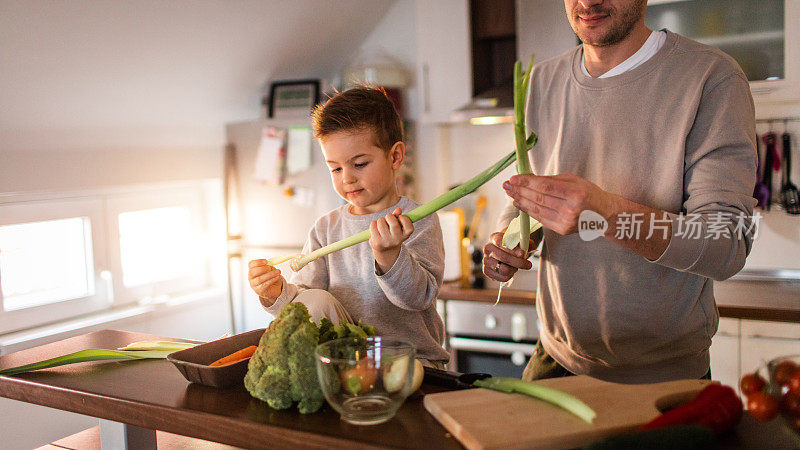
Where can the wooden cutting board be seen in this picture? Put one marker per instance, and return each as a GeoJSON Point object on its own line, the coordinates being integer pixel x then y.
{"type": "Point", "coordinates": [485, 419]}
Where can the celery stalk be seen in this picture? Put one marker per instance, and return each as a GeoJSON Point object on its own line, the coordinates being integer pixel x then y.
{"type": "Point", "coordinates": [416, 213]}
{"type": "Point", "coordinates": [550, 395]}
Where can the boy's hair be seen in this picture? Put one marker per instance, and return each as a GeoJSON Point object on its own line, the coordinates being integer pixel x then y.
{"type": "Point", "coordinates": [357, 109]}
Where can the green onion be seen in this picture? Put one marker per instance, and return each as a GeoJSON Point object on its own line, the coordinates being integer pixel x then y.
{"type": "Point", "coordinates": [416, 213]}
{"type": "Point", "coordinates": [550, 395]}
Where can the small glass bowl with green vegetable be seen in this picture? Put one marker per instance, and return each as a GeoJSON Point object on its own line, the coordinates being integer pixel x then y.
{"type": "Point", "coordinates": [365, 379]}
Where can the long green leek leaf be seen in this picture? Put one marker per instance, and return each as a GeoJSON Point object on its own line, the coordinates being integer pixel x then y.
{"type": "Point", "coordinates": [550, 395]}
{"type": "Point", "coordinates": [520, 229]}
{"type": "Point", "coordinates": [416, 213]}
{"type": "Point", "coordinates": [521, 140]}
{"type": "Point", "coordinates": [90, 354]}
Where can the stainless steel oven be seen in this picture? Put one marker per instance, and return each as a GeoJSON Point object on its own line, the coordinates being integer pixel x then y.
{"type": "Point", "coordinates": [497, 340]}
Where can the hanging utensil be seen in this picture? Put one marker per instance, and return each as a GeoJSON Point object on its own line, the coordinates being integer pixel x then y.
{"type": "Point", "coordinates": [769, 159]}
{"type": "Point", "coordinates": [790, 198]}
{"type": "Point", "coordinates": [761, 191]}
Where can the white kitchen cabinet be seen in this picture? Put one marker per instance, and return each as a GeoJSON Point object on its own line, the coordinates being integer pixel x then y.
{"type": "Point", "coordinates": [725, 353]}
{"type": "Point", "coordinates": [444, 64]}
{"type": "Point", "coordinates": [762, 341]}
{"type": "Point", "coordinates": [739, 28]}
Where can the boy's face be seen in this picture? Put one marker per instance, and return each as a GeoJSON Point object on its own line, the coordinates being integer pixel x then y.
{"type": "Point", "coordinates": [362, 173]}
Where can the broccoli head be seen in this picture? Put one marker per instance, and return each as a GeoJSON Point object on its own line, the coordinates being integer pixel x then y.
{"type": "Point", "coordinates": [282, 371]}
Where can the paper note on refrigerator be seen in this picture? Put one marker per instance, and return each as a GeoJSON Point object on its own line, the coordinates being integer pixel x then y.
{"type": "Point", "coordinates": [298, 149]}
{"type": "Point", "coordinates": [270, 164]}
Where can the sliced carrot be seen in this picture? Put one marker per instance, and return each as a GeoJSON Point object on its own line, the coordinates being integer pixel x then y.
{"type": "Point", "coordinates": [235, 356]}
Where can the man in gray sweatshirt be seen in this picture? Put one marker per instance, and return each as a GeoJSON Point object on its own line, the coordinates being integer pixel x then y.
{"type": "Point", "coordinates": [651, 135]}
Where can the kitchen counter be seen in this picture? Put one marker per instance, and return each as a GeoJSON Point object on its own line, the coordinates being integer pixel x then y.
{"type": "Point", "coordinates": [152, 394]}
{"type": "Point", "coordinates": [777, 301]}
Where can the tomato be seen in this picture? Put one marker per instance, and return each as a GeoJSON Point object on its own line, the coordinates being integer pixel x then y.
{"type": "Point", "coordinates": [360, 378]}
{"type": "Point", "coordinates": [790, 404]}
{"type": "Point", "coordinates": [783, 371]}
{"type": "Point", "coordinates": [762, 406]}
{"type": "Point", "coordinates": [794, 382]}
{"type": "Point", "coordinates": [752, 382]}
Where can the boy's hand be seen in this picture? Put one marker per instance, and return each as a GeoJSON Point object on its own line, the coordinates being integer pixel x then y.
{"type": "Point", "coordinates": [386, 236]}
{"type": "Point", "coordinates": [265, 280]}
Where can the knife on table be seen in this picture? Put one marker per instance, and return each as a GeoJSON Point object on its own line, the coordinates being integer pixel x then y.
{"type": "Point", "coordinates": [453, 380]}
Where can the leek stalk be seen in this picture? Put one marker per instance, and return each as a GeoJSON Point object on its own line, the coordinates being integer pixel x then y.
{"type": "Point", "coordinates": [548, 394]}
{"type": "Point", "coordinates": [90, 354]}
{"type": "Point", "coordinates": [415, 214]}
{"type": "Point", "coordinates": [523, 163]}
{"type": "Point", "coordinates": [519, 230]}
{"type": "Point", "coordinates": [136, 350]}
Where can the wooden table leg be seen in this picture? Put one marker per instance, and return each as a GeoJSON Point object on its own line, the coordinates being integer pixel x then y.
{"type": "Point", "coordinates": [121, 436]}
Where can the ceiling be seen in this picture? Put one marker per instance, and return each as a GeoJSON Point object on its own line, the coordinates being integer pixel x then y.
{"type": "Point", "coordinates": [101, 73]}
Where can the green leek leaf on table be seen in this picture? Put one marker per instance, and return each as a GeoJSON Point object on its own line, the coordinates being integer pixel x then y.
{"type": "Point", "coordinates": [559, 398]}
{"type": "Point", "coordinates": [147, 350]}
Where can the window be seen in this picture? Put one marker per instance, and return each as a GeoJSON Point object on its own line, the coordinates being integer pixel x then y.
{"type": "Point", "coordinates": [29, 249]}
{"type": "Point", "coordinates": [156, 245]}
{"type": "Point", "coordinates": [51, 258]}
{"type": "Point", "coordinates": [65, 257]}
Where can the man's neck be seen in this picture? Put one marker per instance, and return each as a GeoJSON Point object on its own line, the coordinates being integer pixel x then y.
{"type": "Point", "coordinates": [599, 60]}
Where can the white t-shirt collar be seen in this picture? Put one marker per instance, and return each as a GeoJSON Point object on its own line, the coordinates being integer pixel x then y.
{"type": "Point", "coordinates": [650, 47]}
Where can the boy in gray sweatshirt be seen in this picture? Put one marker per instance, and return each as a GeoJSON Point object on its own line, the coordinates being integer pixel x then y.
{"type": "Point", "coordinates": [391, 283]}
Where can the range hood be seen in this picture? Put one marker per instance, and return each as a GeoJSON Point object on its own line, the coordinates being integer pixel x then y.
{"type": "Point", "coordinates": [490, 107]}
{"type": "Point", "coordinates": [493, 45]}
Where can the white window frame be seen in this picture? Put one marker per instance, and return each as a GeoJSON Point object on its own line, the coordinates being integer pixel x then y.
{"type": "Point", "coordinates": [26, 211]}
{"type": "Point", "coordinates": [163, 197]}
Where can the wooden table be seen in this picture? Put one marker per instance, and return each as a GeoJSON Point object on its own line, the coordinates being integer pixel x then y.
{"type": "Point", "coordinates": [137, 397]}
{"type": "Point", "coordinates": [151, 395]}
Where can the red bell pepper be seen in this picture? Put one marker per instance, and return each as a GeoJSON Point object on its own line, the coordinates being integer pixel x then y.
{"type": "Point", "coordinates": [716, 406]}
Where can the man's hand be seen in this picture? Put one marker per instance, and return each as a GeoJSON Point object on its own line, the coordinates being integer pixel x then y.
{"type": "Point", "coordinates": [500, 263]}
{"type": "Point", "coordinates": [558, 200]}
{"type": "Point", "coordinates": [386, 236]}
{"type": "Point", "coordinates": [265, 280]}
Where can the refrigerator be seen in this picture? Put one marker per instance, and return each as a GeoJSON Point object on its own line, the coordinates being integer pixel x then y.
{"type": "Point", "coordinates": [270, 214]}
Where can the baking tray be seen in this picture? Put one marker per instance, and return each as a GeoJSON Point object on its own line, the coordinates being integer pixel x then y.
{"type": "Point", "coordinates": [194, 362]}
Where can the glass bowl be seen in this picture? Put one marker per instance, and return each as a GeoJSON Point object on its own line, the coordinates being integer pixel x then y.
{"type": "Point", "coordinates": [365, 379]}
{"type": "Point", "coordinates": [784, 386]}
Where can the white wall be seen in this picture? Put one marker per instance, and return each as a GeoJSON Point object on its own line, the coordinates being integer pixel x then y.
{"type": "Point", "coordinates": [394, 36]}
{"type": "Point", "coordinates": [100, 75]}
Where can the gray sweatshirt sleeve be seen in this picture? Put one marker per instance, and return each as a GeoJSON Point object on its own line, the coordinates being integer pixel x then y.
{"type": "Point", "coordinates": [714, 236]}
{"type": "Point", "coordinates": [506, 215]}
{"type": "Point", "coordinates": [419, 268]}
{"type": "Point", "coordinates": [313, 276]}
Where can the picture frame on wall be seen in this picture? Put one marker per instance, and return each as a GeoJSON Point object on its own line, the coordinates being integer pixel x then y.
{"type": "Point", "coordinates": [292, 98]}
